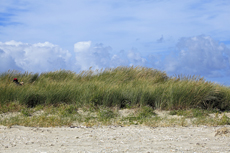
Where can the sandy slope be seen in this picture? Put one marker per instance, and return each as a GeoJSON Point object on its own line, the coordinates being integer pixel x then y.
{"type": "Point", "coordinates": [112, 139]}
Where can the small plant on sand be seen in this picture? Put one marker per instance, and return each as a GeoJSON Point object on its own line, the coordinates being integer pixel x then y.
{"type": "Point", "coordinates": [67, 110]}
{"type": "Point", "coordinates": [11, 107]}
{"type": "Point", "coordinates": [224, 120]}
{"type": "Point", "coordinates": [190, 113]}
{"type": "Point", "coordinates": [26, 112]}
{"type": "Point", "coordinates": [106, 115]}
{"type": "Point", "coordinates": [173, 112]}
{"type": "Point", "coordinates": [140, 116]}
{"type": "Point", "coordinates": [145, 112]}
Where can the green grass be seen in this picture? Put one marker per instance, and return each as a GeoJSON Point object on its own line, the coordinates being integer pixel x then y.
{"type": "Point", "coordinates": [122, 87]}
{"type": "Point", "coordinates": [69, 115]}
{"type": "Point", "coordinates": [190, 113]}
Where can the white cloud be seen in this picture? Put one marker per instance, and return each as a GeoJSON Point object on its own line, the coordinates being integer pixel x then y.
{"type": "Point", "coordinates": [82, 46]}
{"type": "Point", "coordinates": [96, 57]}
{"type": "Point", "coordinates": [7, 62]}
{"type": "Point", "coordinates": [200, 55]}
{"type": "Point", "coordinates": [38, 57]}
{"type": "Point", "coordinates": [41, 57]}
{"type": "Point", "coordinates": [100, 56]}
{"type": "Point", "coordinates": [136, 59]}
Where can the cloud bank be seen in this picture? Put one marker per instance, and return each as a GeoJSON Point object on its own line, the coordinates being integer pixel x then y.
{"type": "Point", "coordinates": [100, 56]}
{"type": "Point", "coordinates": [198, 55]}
{"type": "Point", "coordinates": [38, 57]}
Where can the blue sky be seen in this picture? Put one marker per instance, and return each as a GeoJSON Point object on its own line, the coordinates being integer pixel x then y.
{"type": "Point", "coordinates": [189, 37]}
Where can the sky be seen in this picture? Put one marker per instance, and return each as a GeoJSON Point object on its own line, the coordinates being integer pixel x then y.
{"type": "Point", "coordinates": [179, 37]}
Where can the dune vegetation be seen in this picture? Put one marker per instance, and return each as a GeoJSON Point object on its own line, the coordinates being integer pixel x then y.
{"type": "Point", "coordinates": [65, 92]}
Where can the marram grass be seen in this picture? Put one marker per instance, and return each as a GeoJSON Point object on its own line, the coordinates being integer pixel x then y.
{"type": "Point", "coordinates": [59, 95]}
{"type": "Point", "coordinates": [122, 87]}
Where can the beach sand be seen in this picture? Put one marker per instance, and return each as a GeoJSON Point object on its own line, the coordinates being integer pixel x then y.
{"type": "Point", "coordinates": [114, 139]}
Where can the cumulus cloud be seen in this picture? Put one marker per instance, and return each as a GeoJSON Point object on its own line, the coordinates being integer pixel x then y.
{"type": "Point", "coordinates": [38, 57]}
{"type": "Point", "coordinates": [100, 56]}
{"type": "Point", "coordinates": [7, 62]}
{"type": "Point", "coordinates": [82, 46]}
{"type": "Point", "coordinates": [136, 59]}
{"type": "Point", "coordinates": [42, 57]}
{"type": "Point", "coordinates": [88, 56]}
{"type": "Point", "coordinates": [200, 55]}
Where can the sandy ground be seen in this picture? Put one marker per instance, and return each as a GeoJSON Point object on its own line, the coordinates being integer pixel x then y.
{"type": "Point", "coordinates": [113, 139]}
